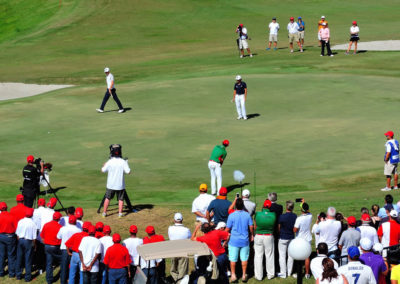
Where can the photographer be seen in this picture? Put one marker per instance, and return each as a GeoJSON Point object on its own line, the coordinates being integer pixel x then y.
{"type": "Point", "coordinates": [116, 167]}
{"type": "Point", "coordinates": [242, 40]}
{"type": "Point", "coordinates": [31, 174]}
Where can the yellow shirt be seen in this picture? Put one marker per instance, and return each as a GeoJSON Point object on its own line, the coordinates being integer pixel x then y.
{"type": "Point", "coordinates": [320, 24]}
{"type": "Point", "coordinates": [395, 273]}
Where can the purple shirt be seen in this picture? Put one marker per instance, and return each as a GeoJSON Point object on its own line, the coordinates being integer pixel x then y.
{"type": "Point", "coordinates": [374, 261]}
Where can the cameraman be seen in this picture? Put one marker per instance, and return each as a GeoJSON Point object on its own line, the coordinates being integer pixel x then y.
{"type": "Point", "coordinates": [31, 174]}
{"type": "Point", "coordinates": [116, 167]}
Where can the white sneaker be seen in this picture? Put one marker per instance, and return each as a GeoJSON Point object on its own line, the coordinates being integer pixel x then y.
{"type": "Point", "coordinates": [386, 189]}
{"type": "Point", "coordinates": [269, 277]}
{"type": "Point", "coordinates": [104, 215]}
{"type": "Point", "coordinates": [121, 111]}
{"type": "Point", "coordinates": [395, 187]}
{"type": "Point", "coordinates": [241, 56]}
{"type": "Point", "coordinates": [282, 275]}
{"type": "Point", "coordinates": [99, 110]}
{"type": "Point", "coordinates": [251, 55]}
{"type": "Point", "coordinates": [331, 55]}
{"type": "Point", "coordinates": [239, 117]}
{"type": "Point", "coordinates": [301, 50]}
{"type": "Point", "coordinates": [307, 276]}
{"type": "Point", "coordinates": [120, 215]}
{"type": "Point", "coordinates": [291, 51]}
{"type": "Point", "coordinates": [245, 118]}
{"type": "Point", "coordinates": [294, 275]}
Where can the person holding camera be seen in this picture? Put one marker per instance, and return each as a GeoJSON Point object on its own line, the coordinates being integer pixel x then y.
{"type": "Point", "coordinates": [115, 167]}
{"type": "Point", "coordinates": [31, 174]}
{"type": "Point", "coordinates": [242, 40]}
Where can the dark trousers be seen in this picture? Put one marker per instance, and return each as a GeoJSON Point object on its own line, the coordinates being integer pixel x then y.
{"type": "Point", "coordinates": [8, 247]}
{"type": "Point", "coordinates": [24, 252]}
{"type": "Point", "coordinates": [90, 277]}
{"type": "Point", "coordinates": [151, 275]}
{"type": "Point", "coordinates": [328, 47]}
{"type": "Point", "coordinates": [223, 263]}
{"type": "Point", "coordinates": [65, 259]}
{"type": "Point", "coordinates": [53, 255]}
{"type": "Point", "coordinates": [115, 97]}
{"type": "Point", "coordinates": [39, 257]}
{"type": "Point", "coordinates": [119, 276]}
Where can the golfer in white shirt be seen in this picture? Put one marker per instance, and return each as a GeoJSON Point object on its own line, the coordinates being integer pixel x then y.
{"type": "Point", "coordinates": [111, 91]}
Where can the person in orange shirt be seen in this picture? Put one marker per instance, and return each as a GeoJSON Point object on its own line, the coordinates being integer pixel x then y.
{"type": "Point", "coordinates": [320, 27]}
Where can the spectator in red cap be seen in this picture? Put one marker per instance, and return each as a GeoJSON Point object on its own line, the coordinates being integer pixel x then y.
{"type": "Point", "coordinates": [350, 237]}
{"type": "Point", "coordinates": [106, 242]}
{"type": "Point", "coordinates": [89, 254]}
{"type": "Point", "coordinates": [31, 174]}
{"type": "Point", "coordinates": [26, 234]}
{"type": "Point", "coordinates": [117, 260]}
{"type": "Point", "coordinates": [219, 207]}
{"type": "Point", "coordinates": [72, 245]}
{"type": "Point", "coordinates": [217, 158]}
{"type": "Point", "coordinates": [354, 38]}
{"type": "Point", "coordinates": [20, 209]}
{"type": "Point", "coordinates": [64, 234]}
{"type": "Point", "coordinates": [391, 161]}
{"type": "Point", "coordinates": [293, 29]}
{"type": "Point", "coordinates": [70, 212]}
{"type": "Point", "coordinates": [51, 245]}
{"type": "Point", "coordinates": [79, 217]}
{"type": "Point", "coordinates": [367, 231]}
{"type": "Point", "coordinates": [153, 238]}
{"type": "Point", "coordinates": [99, 230]}
{"type": "Point", "coordinates": [8, 240]}
{"type": "Point", "coordinates": [48, 212]}
{"type": "Point", "coordinates": [131, 244]}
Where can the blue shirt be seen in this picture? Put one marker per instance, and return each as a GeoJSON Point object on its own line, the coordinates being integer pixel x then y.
{"type": "Point", "coordinates": [220, 208]}
{"type": "Point", "coordinates": [239, 222]}
{"type": "Point", "coordinates": [382, 211]}
{"type": "Point", "coordinates": [301, 28]}
{"type": "Point", "coordinates": [287, 221]}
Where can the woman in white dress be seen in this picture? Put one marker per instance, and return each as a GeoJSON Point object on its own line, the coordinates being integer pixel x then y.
{"type": "Point", "coordinates": [330, 275]}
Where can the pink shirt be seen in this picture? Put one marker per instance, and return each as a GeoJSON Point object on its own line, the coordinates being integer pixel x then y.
{"type": "Point", "coordinates": [324, 33]}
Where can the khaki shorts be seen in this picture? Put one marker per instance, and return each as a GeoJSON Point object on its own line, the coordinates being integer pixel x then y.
{"type": "Point", "coordinates": [273, 38]}
{"type": "Point", "coordinates": [293, 37]}
{"type": "Point", "coordinates": [243, 44]}
{"type": "Point", "coordinates": [390, 169]}
{"type": "Point", "coordinates": [301, 35]}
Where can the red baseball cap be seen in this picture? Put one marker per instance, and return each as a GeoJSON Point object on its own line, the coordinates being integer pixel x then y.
{"type": "Point", "coordinates": [72, 220]}
{"type": "Point", "coordinates": [86, 225]}
{"type": "Point", "coordinates": [225, 142]}
{"type": "Point", "coordinates": [291, 18]}
{"type": "Point", "coordinates": [223, 191]}
{"type": "Point", "coordinates": [354, 23]}
{"type": "Point", "coordinates": [389, 133]}
{"type": "Point", "coordinates": [52, 202]}
{"type": "Point", "coordinates": [30, 159]}
{"type": "Point", "coordinates": [116, 238]}
{"type": "Point", "coordinates": [79, 212]}
{"type": "Point", "coordinates": [365, 218]}
{"type": "Point", "coordinates": [150, 230]}
{"type": "Point", "coordinates": [99, 226]}
{"type": "Point", "coordinates": [29, 212]}
{"type": "Point", "coordinates": [351, 221]}
{"type": "Point", "coordinates": [57, 216]}
{"type": "Point", "coordinates": [20, 198]}
{"type": "Point", "coordinates": [133, 229]}
{"type": "Point", "coordinates": [106, 229]}
{"type": "Point", "coordinates": [240, 25]}
{"type": "Point", "coordinates": [41, 202]}
{"type": "Point", "coordinates": [267, 203]}
{"type": "Point", "coordinates": [3, 206]}
{"type": "Point", "coordinates": [92, 229]}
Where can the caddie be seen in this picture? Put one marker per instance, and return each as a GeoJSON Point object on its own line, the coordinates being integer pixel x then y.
{"type": "Point", "coordinates": [391, 161]}
{"type": "Point", "coordinates": [217, 158]}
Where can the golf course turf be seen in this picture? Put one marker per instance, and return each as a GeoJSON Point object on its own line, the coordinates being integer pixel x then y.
{"type": "Point", "coordinates": [316, 127]}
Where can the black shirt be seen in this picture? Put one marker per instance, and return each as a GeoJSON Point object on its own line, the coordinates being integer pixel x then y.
{"type": "Point", "coordinates": [31, 177]}
{"type": "Point", "coordinates": [239, 88]}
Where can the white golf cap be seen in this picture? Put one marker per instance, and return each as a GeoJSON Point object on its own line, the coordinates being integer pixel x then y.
{"type": "Point", "coordinates": [366, 244]}
{"type": "Point", "coordinates": [220, 225]}
{"type": "Point", "coordinates": [322, 17]}
{"type": "Point", "coordinates": [238, 77]}
{"type": "Point", "coordinates": [378, 247]}
{"type": "Point", "coordinates": [394, 213]}
{"type": "Point", "coordinates": [178, 217]}
{"type": "Point", "coordinates": [246, 192]}
{"type": "Point", "coordinates": [106, 70]}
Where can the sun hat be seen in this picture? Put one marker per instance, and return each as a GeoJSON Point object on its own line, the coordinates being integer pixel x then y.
{"type": "Point", "coordinates": [366, 244]}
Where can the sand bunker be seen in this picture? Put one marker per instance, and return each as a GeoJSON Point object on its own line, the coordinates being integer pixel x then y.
{"type": "Point", "coordinates": [10, 91]}
{"type": "Point", "coordinates": [383, 45]}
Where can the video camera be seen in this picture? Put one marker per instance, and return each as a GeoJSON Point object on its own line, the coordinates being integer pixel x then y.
{"type": "Point", "coordinates": [46, 166]}
{"type": "Point", "coordinates": [115, 150]}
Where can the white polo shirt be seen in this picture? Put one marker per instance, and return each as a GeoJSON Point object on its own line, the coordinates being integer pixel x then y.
{"type": "Point", "coordinates": [369, 232]}
{"type": "Point", "coordinates": [106, 242]}
{"type": "Point", "coordinates": [46, 216]}
{"type": "Point", "coordinates": [200, 204]}
{"type": "Point", "coordinates": [329, 231]}
{"type": "Point", "coordinates": [131, 244]}
{"type": "Point", "coordinates": [355, 29]}
{"type": "Point", "coordinates": [109, 80]}
{"type": "Point", "coordinates": [64, 221]}
{"type": "Point", "coordinates": [293, 28]}
{"type": "Point", "coordinates": [303, 223]}
{"type": "Point", "coordinates": [65, 233]}
{"type": "Point", "coordinates": [273, 28]}
{"type": "Point", "coordinates": [116, 167]}
{"type": "Point", "coordinates": [316, 265]}
{"type": "Point", "coordinates": [90, 246]}
{"type": "Point", "coordinates": [26, 229]}
{"type": "Point", "coordinates": [178, 232]}
{"type": "Point", "coordinates": [357, 273]}
{"type": "Point", "coordinates": [37, 216]}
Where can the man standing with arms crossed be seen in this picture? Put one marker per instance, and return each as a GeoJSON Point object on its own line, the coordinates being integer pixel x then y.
{"type": "Point", "coordinates": [240, 96]}
{"type": "Point", "coordinates": [293, 29]}
{"type": "Point", "coordinates": [391, 161]}
{"type": "Point", "coordinates": [302, 26]}
{"type": "Point", "coordinates": [111, 91]}
{"type": "Point", "coordinates": [217, 158]}
{"type": "Point", "coordinates": [273, 34]}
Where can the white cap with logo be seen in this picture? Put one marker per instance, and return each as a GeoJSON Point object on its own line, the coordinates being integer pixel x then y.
{"type": "Point", "coordinates": [106, 70]}
{"type": "Point", "coordinates": [178, 217]}
{"type": "Point", "coordinates": [246, 192]}
{"type": "Point", "coordinates": [238, 77]}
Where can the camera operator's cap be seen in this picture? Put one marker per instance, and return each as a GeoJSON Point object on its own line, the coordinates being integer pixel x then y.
{"type": "Point", "coordinates": [3, 206]}
{"type": "Point", "coordinates": [365, 218]}
{"type": "Point", "coordinates": [30, 159]}
{"type": "Point", "coordinates": [246, 192]}
{"type": "Point", "coordinates": [351, 220]}
{"type": "Point", "coordinates": [79, 212]}
{"type": "Point", "coordinates": [225, 142]}
{"type": "Point", "coordinates": [133, 229]}
{"type": "Point", "coordinates": [378, 247]}
{"type": "Point", "coordinates": [291, 18]}
{"type": "Point", "coordinates": [116, 238]}
{"type": "Point", "coordinates": [299, 18]}
{"type": "Point", "coordinates": [52, 202]}
{"type": "Point", "coordinates": [389, 133]}
{"type": "Point", "coordinates": [106, 229]}
{"type": "Point", "coordinates": [241, 25]}
{"type": "Point", "coordinates": [150, 230]}
{"type": "Point", "coordinates": [355, 23]}
{"type": "Point", "coordinates": [203, 187]}
{"type": "Point", "coordinates": [238, 77]}
{"type": "Point", "coordinates": [41, 202]}
{"type": "Point", "coordinates": [267, 203]}
{"type": "Point", "coordinates": [29, 212]}
{"type": "Point", "coordinates": [223, 191]}
{"type": "Point", "coordinates": [393, 213]}
{"type": "Point", "coordinates": [19, 198]}
{"type": "Point", "coordinates": [178, 217]}
{"type": "Point", "coordinates": [72, 220]}
{"type": "Point", "coordinates": [106, 70]}
{"type": "Point", "coordinates": [220, 225]}
{"type": "Point", "coordinates": [92, 230]}
{"type": "Point", "coordinates": [86, 225]}
{"type": "Point", "coordinates": [99, 226]}
{"type": "Point", "coordinates": [274, 18]}
{"type": "Point", "coordinates": [366, 244]}
{"type": "Point", "coordinates": [57, 216]}
{"type": "Point", "coordinates": [353, 251]}
{"type": "Point", "coordinates": [322, 17]}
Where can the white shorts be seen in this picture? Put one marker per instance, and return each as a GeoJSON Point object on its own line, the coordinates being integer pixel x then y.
{"type": "Point", "coordinates": [390, 169]}
{"type": "Point", "coordinates": [243, 44]}
{"type": "Point", "coordinates": [273, 38]}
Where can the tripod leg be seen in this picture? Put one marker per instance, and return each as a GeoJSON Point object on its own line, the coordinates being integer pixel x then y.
{"type": "Point", "coordinates": [128, 202]}
{"type": "Point", "coordinates": [101, 204]}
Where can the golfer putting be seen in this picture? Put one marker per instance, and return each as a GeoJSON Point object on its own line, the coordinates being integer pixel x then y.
{"type": "Point", "coordinates": [240, 96]}
{"type": "Point", "coordinates": [111, 91]}
{"type": "Point", "coordinates": [217, 158]}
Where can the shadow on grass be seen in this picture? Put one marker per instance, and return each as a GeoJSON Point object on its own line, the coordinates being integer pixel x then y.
{"type": "Point", "coordinates": [234, 186]}
{"type": "Point", "coordinates": [253, 115]}
{"type": "Point", "coordinates": [113, 209]}
{"type": "Point", "coordinates": [53, 190]}
{"type": "Point", "coordinates": [116, 110]}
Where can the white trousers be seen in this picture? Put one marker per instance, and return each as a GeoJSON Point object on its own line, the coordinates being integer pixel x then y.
{"type": "Point", "coordinates": [286, 268]}
{"type": "Point", "coordinates": [240, 107]}
{"type": "Point", "coordinates": [216, 175]}
{"type": "Point", "coordinates": [264, 245]}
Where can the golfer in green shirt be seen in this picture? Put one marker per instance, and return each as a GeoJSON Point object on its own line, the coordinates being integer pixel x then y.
{"type": "Point", "coordinates": [217, 158]}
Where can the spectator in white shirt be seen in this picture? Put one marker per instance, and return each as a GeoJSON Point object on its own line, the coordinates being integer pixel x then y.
{"type": "Point", "coordinates": [79, 217]}
{"type": "Point", "coordinates": [47, 214]}
{"type": "Point", "coordinates": [293, 29]}
{"type": "Point", "coordinates": [354, 38]}
{"type": "Point", "coordinates": [368, 231]}
{"type": "Point", "coordinates": [320, 218]}
{"type": "Point", "coordinates": [131, 244]}
{"type": "Point", "coordinates": [179, 265]}
{"type": "Point", "coordinates": [39, 255]}
{"type": "Point", "coordinates": [201, 203]}
{"type": "Point", "coordinates": [316, 262]}
{"type": "Point", "coordinates": [89, 254]}
{"type": "Point", "coordinates": [249, 206]}
{"type": "Point", "coordinates": [329, 231]}
{"type": "Point", "coordinates": [302, 228]}
{"type": "Point", "coordinates": [106, 242]}
{"type": "Point", "coordinates": [26, 234]}
{"type": "Point", "coordinates": [273, 34]}
{"type": "Point", "coordinates": [115, 167]}
{"type": "Point", "coordinates": [37, 213]}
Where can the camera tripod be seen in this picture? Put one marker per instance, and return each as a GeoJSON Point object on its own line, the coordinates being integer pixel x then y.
{"type": "Point", "coordinates": [126, 199]}
{"type": "Point", "coordinates": [53, 191]}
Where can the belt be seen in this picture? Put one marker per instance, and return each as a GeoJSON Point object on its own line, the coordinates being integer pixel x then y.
{"type": "Point", "coordinates": [8, 235]}
{"type": "Point", "coordinates": [264, 234]}
{"type": "Point", "coordinates": [240, 94]}
{"type": "Point", "coordinates": [52, 245]}
{"type": "Point", "coordinates": [214, 161]}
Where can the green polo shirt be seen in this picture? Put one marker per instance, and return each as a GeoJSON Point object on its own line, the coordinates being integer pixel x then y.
{"type": "Point", "coordinates": [217, 152]}
{"type": "Point", "coordinates": [265, 221]}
